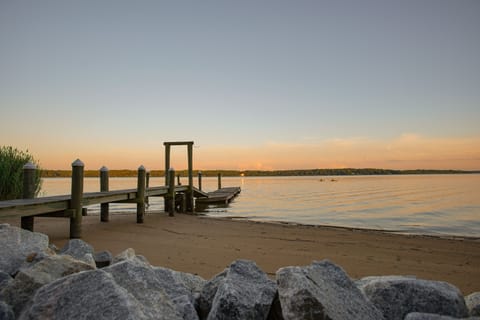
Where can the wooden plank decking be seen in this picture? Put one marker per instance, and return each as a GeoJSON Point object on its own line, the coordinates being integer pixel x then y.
{"type": "Point", "coordinates": [38, 206]}
{"type": "Point", "coordinates": [223, 195]}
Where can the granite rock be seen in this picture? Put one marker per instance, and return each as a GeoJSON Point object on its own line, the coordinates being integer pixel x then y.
{"type": "Point", "coordinates": [17, 245]}
{"type": "Point", "coordinates": [140, 281]}
{"type": "Point", "coordinates": [245, 292]}
{"type": "Point", "coordinates": [182, 288]}
{"type": "Point", "coordinates": [21, 289]}
{"type": "Point", "coordinates": [396, 296]}
{"type": "Point", "coordinates": [103, 258]}
{"type": "Point", "coordinates": [80, 250]}
{"type": "Point", "coordinates": [204, 302]}
{"type": "Point", "coordinates": [321, 290]}
{"type": "Point", "coordinates": [85, 295]}
{"type": "Point", "coordinates": [432, 316]}
{"type": "Point", "coordinates": [129, 254]}
{"type": "Point", "coordinates": [473, 303]}
{"type": "Point", "coordinates": [5, 278]}
{"type": "Point", "coordinates": [6, 312]}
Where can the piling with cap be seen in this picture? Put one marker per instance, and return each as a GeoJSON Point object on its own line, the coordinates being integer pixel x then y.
{"type": "Point", "coordinates": [76, 199]}
{"type": "Point", "coordinates": [29, 172]}
{"type": "Point", "coordinates": [141, 191]}
{"type": "Point", "coordinates": [200, 180]}
{"type": "Point", "coordinates": [104, 187]}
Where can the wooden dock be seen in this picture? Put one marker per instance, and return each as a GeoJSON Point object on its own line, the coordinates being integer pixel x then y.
{"type": "Point", "coordinates": [178, 198]}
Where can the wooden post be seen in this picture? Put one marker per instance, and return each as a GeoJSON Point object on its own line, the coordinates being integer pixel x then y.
{"type": "Point", "coordinates": [167, 167]}
{"type": "Point", "coordinates": [178, 180]}
{"type": "Point", "coordinates": [190, 204]}
{"type": "Point", "coordinates": [167, 162]}
{"type": "Point", "coordinates": [76, 200]}
{"type": "Point", "coordinates": [141, 185]}
{"type": "Point", "coordinates": [29, 171]}
{"type": "Point", "coordinates": [219, 181]}
{"type": "Point", "coordinates": [147, 201]}
{"type": "Point", "coordinates": [200, 180]}
{"type": "Point", "coordinates": [183, 202]}
{"type": "Point", "coordinates": [171, 192]}
{"type": "Point", "coordinates": [104, 186]}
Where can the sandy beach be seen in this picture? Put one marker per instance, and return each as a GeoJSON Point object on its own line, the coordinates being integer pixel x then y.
{"type": "Point", "coordinates": [205, 246]}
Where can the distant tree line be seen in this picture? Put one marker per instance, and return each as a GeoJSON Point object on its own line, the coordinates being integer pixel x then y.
{"type": "Point", "coordinates": [261, 173]}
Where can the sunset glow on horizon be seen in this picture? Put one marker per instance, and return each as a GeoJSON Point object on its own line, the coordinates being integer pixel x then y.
{"type": "Point", "coordinates": [268, 85]}
{"type": "Point", "coordinates": [405, 152]}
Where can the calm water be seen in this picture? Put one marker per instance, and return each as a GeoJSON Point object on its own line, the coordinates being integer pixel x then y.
{"type": "Point", "coordinates": [426, 204]}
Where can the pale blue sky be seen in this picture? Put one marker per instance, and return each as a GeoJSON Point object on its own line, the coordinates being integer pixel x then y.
{"type": "Point", "coordinates": [126, 75]}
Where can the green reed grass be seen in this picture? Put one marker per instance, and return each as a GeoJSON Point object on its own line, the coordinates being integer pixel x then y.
{"type": "Point", "coordinates": [12, 161]}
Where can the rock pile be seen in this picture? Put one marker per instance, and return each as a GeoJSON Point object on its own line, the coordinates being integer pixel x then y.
{"type": "Point", "coordinates": [38, 281]}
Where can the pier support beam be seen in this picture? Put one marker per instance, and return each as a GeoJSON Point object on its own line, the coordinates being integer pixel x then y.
{"type": "Point", "coordinates": [29, 172]}
{"type": "Point", "coordinates": [200, 180]}
{"type": "Point", "coordinates": [190, 202]}
{"type": "Point", "coordinates": [171, 192]}
{"type": "Point", "coordinates": [219, 181]}
{"type": "Point", "coordinates": [76, 200]}
{"type": "Point", "coordinates": [147, 183]}
{"type": "Point", "coordinates": [141, 188]}
{"type": "Point", "coordinates": [104, 186]}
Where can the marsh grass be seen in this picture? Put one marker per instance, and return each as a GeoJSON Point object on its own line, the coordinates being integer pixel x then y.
{"type": "Point", "coordinates": [12, 161]}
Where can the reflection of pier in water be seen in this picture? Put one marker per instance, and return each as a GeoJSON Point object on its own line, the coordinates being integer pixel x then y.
{"type": "Point", "coordinates": [180, 198]}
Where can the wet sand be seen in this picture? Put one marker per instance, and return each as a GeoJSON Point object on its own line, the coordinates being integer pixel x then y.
{"type": "Point", "coordinates": [205, 246]}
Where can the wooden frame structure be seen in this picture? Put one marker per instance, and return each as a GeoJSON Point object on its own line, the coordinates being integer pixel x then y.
{"type": "Point", "coordinates": [189, 193]}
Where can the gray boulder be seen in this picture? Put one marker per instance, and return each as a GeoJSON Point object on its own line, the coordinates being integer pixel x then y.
{"type": "Point", "coordinates": [204, 302]}
{"type": "Point", "coordinates": [5, 278]}
{"type": "Point", "coordinates": [53, 247]}
{"type": "Point", "coordinates": [103, 259]}
{"type": "Point", "coordinates": [473, 303]}
{"type": "Point", "coordinates": [86, 295]}
{"type": "Point", "coordinates": [397, 296]}
{"type": "Point", "coordinates": [80, 250]}
{"type": "Point", "coordinates": [193, 283]}
{"type": "Point", "coordinates": [321, 290]}
{"type": "Point", "coordinates": [126, 254]}
{"type": "Point", "coordinates": [182, 288]}
{"type": "Point", "coordinates": [244, 293]}
{"type": "Point", "coordinates": [89, 259]}
{"type": "Point", "coordinates": [129, 254]}
{"type": "Point", "coordinates": [19, 292]}
{"type": "Point", "coordinates": [140, 281]}
{"type": "Point", "coordinates": [6, 312]}
{"type": "Point", "coordinates": [17, 244]}
{"type": "Point", "coordinates": [185, 308]}
{"type": "Point", "coordinates": [432, 316]}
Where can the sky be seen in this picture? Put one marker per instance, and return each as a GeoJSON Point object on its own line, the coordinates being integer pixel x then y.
{"type": "Point", "coordinates": [255, 84]}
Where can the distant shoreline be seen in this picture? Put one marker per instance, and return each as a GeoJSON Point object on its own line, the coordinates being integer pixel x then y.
{"type": "Point", "coordinates": [48, 173]}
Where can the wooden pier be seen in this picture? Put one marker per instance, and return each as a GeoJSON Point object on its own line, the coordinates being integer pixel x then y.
{"type": "Point", "coordinates": [178, 198]}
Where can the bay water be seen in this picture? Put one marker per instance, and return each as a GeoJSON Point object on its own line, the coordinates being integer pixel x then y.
{"type": "Point", "coordinates": [412, 204]}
